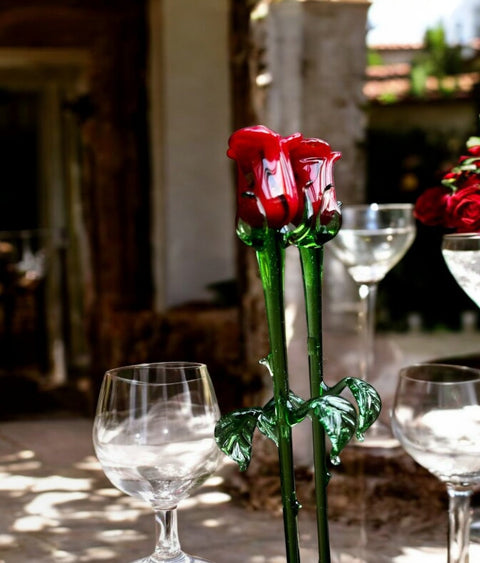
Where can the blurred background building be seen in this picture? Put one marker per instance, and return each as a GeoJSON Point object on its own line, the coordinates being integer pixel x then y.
{"type": "Point", "coordinates": [117, 210]}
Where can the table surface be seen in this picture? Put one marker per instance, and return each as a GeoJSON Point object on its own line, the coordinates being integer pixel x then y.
{"type": "Point", "coordinates": [57, 506]}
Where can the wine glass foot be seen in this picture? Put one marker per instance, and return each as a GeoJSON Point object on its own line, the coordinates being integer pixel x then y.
{"type": "Point", "coordinates": [179, 558]}
{"type": "Point", "coordinates": [379, 435]}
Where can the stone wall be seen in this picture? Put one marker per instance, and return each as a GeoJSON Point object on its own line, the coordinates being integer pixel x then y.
{"type": "Point", "coordinates": [112, 154]}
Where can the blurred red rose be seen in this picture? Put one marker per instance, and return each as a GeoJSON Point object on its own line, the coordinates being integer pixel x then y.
{"type": "Point", "coordinates": [463, 209]}
{"type": "Point", "coordinates": [430, 207]}
{"type": "Point", "coordinates": [474, 150]}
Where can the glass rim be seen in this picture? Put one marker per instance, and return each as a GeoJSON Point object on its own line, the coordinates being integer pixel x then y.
{"type": "Point", "coordinates": [458, 236]}
{"type": "Point", "coordinates": [379, 206]}
{"type": "Point", "coordinates": [116, 373]}
{"type": "Point", "coordinates": [466, 374]}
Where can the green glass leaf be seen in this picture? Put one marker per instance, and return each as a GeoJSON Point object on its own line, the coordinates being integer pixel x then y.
{"type": "Point", "coordinates": [337, 416]}
{"type": "Point", "coordinates": [294, 408]}
{"type": "Point", "coordinates": [267, 422]}
{"type": "Point", "coordinates": [368, 401]}
{"type": "Point", "coordinates": [234, 434]}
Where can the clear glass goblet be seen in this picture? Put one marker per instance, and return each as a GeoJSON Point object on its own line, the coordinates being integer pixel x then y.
{"type": "Point", "coordinates": [154, 437]}
{"type": "Point", "coordinates": [461, 253]}
{"type": "Point", "coordinates": [372, 240]}
{"type": "Point", "coordinates": [436, 418]}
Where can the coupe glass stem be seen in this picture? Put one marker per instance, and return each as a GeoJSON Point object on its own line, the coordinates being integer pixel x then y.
{"type": "Point", "coordinates": [459, 516]}
{"type": "Point", "coordinates": [168, 544]}
{"type": "Point", "coordinates": [366, 318]}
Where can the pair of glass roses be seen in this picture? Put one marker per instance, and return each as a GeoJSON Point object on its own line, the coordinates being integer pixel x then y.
{"type": "Point", "coordinates": [286, 195]}
{"type": "Point", "coordinates": [286, 184]}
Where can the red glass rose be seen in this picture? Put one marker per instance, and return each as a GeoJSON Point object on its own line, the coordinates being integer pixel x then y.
{"type": "Point", "coordinates": [266, 189]}
{"type": "Point", "coordinates": [312, 162]}
{"type": "Point", "coordinates": [463, 209]}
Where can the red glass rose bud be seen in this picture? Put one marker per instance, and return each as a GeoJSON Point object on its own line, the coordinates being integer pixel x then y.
{"type": "Point", "coordinates": [267, 196]}
{"type": "Point", "coordinates": [319, 213]}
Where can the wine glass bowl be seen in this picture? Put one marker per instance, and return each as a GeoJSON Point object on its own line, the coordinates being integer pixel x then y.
{"type": "Point", "coordinates": [461, 252]}
{"type": "Point", "coordinates": [373, 239]}
{"type": "Point", "coordinates": [436, 419]}
{"type": "Point", "coordinates": [153, 435]}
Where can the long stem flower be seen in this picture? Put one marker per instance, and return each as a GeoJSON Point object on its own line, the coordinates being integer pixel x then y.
{"type": "Point", "coordinates": [286, 196]}
{"type": "Point", "coordinates": [312, 266]}
{"type": "Point", "coordinates": [271, 260]}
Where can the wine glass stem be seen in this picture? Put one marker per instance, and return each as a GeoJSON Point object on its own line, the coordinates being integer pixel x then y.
{"type": "Point", "coordinates": [168, 544]}
{"type": "Point", "coordinates": [459, 517]}
{"type": "Point", "coordinates": [366, 318]}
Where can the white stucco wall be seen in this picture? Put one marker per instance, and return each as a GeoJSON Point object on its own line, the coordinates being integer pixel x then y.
{"type": "Point", "coordinates": [190, 121]}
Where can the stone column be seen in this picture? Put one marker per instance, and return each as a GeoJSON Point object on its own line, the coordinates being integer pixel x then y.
{"type": "Point", "coordinates": [316, 59]}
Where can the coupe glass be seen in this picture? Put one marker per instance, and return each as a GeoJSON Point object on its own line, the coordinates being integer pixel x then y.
{"type": "Point", "coordinates": [436, 418]}
{"type": "Point", "coordinates": [372, 240]}
{"type": "Point", "coordinates": [462, 256]}
{"type": "Point", "coordinates": [154, 437]}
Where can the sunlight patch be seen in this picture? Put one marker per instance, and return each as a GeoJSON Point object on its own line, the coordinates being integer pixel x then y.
{"type": "Point", "coordinates": [44, 504]}
{"type": "Point", "coordinates": [213, 498]}
{"type": "Point", "coordinates": [7, 540]}
{"type": "Point", "coordinates": [34, 524]}
{"type": "Point", "coordinates": [109, 492]}
{"type": "Point", "coordinates": [98, 554]}
{"type": "Point", "coordinates": [121, 535]}
{"type": "Point", "coordinates": [15, 483]}
{"type": "Point", "coordinates": [23, 454]}
{"type": "Point", "coordinates": [212, 523]}
{"type": "Point", "coordinates": [58, 483]}
{"type": "Point", "coordinates": [119, 514]}
{"type": "Point", "coordinates": [89, 463]}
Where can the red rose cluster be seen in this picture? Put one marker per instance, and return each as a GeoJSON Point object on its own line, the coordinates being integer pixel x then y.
{"type": "Point", "coordinates": [284, 181]}
{"type": "Point", "coordinates": [455, 204]}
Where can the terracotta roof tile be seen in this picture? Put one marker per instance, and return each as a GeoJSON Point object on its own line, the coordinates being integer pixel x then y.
{"type": "Point", "coordinates": [389, 70]}
{"type": "Point", "coordinates": [397, 47]}
{"type": "Point", "coordinates": [399, 88]}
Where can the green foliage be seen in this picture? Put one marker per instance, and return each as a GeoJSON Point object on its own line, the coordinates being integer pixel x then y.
{"type": "Point", "coordinates": [374, 58]}
{"type": "Point", "coordinates": [438, 59]}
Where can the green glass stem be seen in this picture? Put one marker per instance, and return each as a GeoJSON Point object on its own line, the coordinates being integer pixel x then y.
{"type": "Point", "coordinates": [312, 266]}
{"type": "Point", "coordinates": [271, 260]}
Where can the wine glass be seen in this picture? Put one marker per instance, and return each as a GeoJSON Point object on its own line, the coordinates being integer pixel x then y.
{"type": "Point", "coordinates": [373, 238]}
{"type": "Point", "coordinates": [154, 437]}
{"type": "Point", "coordinates": [436, 418]}
{"type": "Point", "coordinates": [461, 252]}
